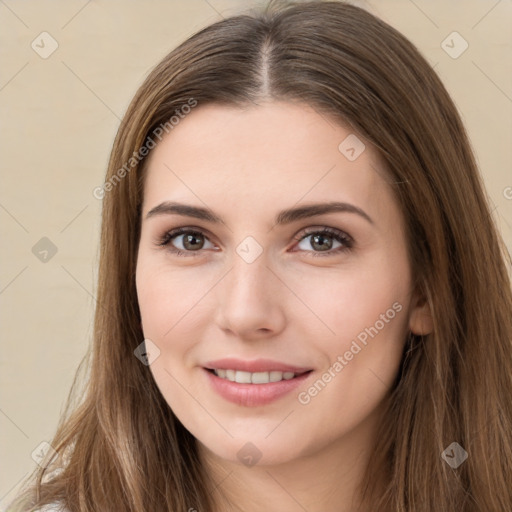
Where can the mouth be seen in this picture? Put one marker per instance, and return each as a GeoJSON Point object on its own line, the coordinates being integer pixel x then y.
{"type": "Point", "coordinates": [254, 388]}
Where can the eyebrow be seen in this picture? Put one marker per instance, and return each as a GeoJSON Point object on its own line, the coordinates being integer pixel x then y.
{"type": "Point", "coordinates": [283, 217]}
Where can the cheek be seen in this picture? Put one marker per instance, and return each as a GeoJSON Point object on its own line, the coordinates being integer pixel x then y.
{"type": "Point", "coordinates": [350, 300]}
{"type": "Point", "coordinates": [167, 296]}
{"type": "Point", "coordinates": [367, 323]}
{"type": "Point", "coordinates": [369, 320]}
{"type": "Point", "coordinates": [173, 304]}
{"type": "Point", "coordinates": [168, 303]}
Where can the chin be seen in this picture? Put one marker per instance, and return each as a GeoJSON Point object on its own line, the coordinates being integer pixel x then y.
{"type": "Point", "coordinates": [253, 451]}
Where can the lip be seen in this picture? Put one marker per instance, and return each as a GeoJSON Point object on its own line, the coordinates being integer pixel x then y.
{"type": "Point", "coordinates": [253, 395]}
{"type": "Point", "coordinates": [257, 365]}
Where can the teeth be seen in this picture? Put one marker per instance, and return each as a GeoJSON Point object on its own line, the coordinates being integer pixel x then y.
{"type": "Point", "coordinates": [253, 378]}
{"type": "Point", "coordinates": [243, 377]}
{"type": "Point", "coordinates": [275, 376]}
{"type": "Point", "coordinates": [260, 378]}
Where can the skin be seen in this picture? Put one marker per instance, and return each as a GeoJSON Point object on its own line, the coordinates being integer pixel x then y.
{"type": "Point", "coordinates": [287, 305]}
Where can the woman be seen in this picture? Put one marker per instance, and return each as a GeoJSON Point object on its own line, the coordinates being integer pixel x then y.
{"type": "Point", "coordinates": [303, 301]}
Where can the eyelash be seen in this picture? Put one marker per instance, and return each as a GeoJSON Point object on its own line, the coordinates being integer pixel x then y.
{"type": "Point", "coordinates": [338, 235]}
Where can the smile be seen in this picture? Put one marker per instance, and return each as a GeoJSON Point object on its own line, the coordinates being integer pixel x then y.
{"type": "Point", "coordinates": [253, 389]}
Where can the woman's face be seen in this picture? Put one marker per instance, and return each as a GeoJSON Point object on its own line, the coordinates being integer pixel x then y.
{"type": "Point", "coordinates": [310, 326]}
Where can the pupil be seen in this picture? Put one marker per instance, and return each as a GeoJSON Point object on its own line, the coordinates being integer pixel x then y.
{"type": "Point", "coordinates": [191, 242]}
{"type": "Point", "coordinates": [322, 245]}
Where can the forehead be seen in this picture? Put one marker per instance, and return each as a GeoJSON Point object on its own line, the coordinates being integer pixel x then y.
{"type": "Point", "coordinates": [254, 158]}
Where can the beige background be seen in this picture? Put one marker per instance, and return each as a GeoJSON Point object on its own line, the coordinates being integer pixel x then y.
{"type": "Point", "coordinates": [59, 118]}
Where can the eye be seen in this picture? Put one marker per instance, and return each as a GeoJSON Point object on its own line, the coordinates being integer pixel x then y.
{"type": "Point", "coordinates": [185, 241]}
{"type": "Point", "coordinates": [323, 241]}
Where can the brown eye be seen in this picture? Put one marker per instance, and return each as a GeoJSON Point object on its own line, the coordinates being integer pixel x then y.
{"type": "Point", "coordinates": [182, 241]}
{"type": "Point", "coordinates": [324, 242]}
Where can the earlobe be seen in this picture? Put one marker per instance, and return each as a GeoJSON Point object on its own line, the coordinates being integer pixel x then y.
{"type": "Point", "coordinates": [420, 319]}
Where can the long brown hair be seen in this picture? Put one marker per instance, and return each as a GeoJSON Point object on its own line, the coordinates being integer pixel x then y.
{"type": "Point", "coordinates": [121, 447]}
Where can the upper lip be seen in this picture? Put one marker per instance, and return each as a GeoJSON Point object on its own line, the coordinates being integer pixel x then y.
{"type": "Point", "coordinates": [256, 365]}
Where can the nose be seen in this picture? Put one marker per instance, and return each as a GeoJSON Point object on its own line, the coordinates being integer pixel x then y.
{"type": "Point", "coordinates": [251, 300]}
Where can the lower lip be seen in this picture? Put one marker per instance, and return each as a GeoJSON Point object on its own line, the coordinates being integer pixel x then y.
{"type": "Point", "coordinates": [253, 395]}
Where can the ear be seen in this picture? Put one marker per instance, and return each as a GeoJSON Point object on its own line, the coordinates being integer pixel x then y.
{"type": "Point", "coordinates": [420, 317]}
